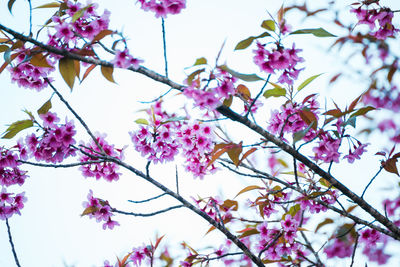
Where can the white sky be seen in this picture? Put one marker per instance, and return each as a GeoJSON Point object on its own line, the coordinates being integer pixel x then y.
{"type": "Point", "coordinates": [50, 231]}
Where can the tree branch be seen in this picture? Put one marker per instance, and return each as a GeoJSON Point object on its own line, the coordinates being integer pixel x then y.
{"type": "Point", "coordinates": [12, 244]}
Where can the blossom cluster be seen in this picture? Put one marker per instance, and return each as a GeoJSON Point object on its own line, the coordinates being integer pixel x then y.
{"type": "Point", "coordinates": [164, 137]}
{"type": "Point", "coordinates": [99, 210]}
{"type": "Point", "coordinates": [289, 120]}
{"type": "Point", "coordinates": [125, 60]}
{"type": "Point", "coordinates": [55, 144]}
{"type": "Point", "coordinates": [10, 174]}
{"type": "Point", "coordinates": [103, 169]}
{"type": "Point", "coordinates": [376, 16]}
{"type": "Point", "coordinates": [79, 21]}
{"type": "Point", "coordinates": [278, 244]}
{"type": "Point", "coordinates": [163, 7]}
{"type": "Point", "coordinates": [211, 98]}
{"type": "Point", "coordinates": [28, 75]}
{"type": "Point", "coordinates": [280, 59]}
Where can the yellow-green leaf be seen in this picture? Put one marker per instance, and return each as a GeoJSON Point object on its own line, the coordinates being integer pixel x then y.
{"type": "Point", "coordinates": [200, 61]}
{"type": "Point", "coordinates": [45, 107]}
{"type": "Point", "coordinates": [275, 92]}
{"type": "Point", "coordinates": [142, 121]}
{"type": "Point", "coordinates": [307, 81]}
{"type": "Point", "coordinates": [268, 25]}
{"type": "Point", "coordinates": [248, 41]}
{"type": "Point", "coordinates": [49, 5]}
{"type": "Point", "coordinates": [244, 77]}
{"type": "Point", "coordinates": [318, 32]}
{"type": "Point", "coordinates": [16, 127]}
{"type": "Point", "coordinates": [40, 60]}
{"type": "Point", "coordinates": [3, 48]}
{"type": "Point", "coordinates": [362, 111]}
{"type": "Point", "coordinates": [67, 71]}
{"type": "Point", "coordinates": [108, 73]}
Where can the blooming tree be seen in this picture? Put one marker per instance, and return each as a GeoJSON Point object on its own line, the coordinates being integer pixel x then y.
{"type": "Point", "coordinates": [287, 161]}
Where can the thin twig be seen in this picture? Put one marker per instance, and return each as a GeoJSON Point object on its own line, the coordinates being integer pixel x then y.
{"type": "Point", "coordinates": [12, 244]}
{"type": "Point", "coordinates": [164, 47]}
{"type": "Point", "coordinates": [76, 115]}
{"type": "Point", "coordinates": [270, 244]}
{"type": "Point", "coordinates": [30, 17]}
{"type": "Point", "coordinates": [75, 164]}
{"type": "Point", "coordinates": [177, 179]}
{"type": "Point", "coordinates": [147, 200]}
{"type": "Point", "coordinates": [370, 182]}
{"type": "Point", "coordinates": [266, 176]}
{"type": "Point", "coordinates": [354, 250]}
{"type": "Point", "coordinates": [218, 213]}
{"type": "Point", "coordinates": [146, 214]}
{"type": "Point", "coordinates": [225, 255]}
{"type": "Point", "coordinates": [257, 261]}
{"type": "Point", "coordinates": [258, 95]}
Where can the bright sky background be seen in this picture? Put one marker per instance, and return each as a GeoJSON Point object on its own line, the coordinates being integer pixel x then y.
{"type": "Point", "coordinates": [50, 231]}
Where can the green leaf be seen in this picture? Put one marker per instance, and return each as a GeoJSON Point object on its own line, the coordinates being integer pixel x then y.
{"type": "Point", "coordinates": [142, 121]}
{"type": "Point", "coordinates": [16, 127]}
{"type": "Point", "coordinates": [200, 61]}
{"type": "Point", "coordinates": [49, 5]}
{"type": "Point", "coordinates": [45, 107]}
{"type": "Point", "coordinates": [275, 92]}
{"type": "Point", "coordinates": [79, 14]}
{"type": "Point", "coordinates": [191, 77]}
{"type": "Point", "coordinates": [174, 119]}
{"type": "Point", "coordinates": [307, 81]}
{"type": "Point", "coordinates": [4, 48]}
{"type": "Point", "coordinates": [67, 71]}
{"type": "Point", "coordinates": [351, 121]}
{"type": "Point", "coordinates": [362, 111]}
{"type": "Point", "coordinates": [108, 73]}
{"type": "Point", "coordinates": [244, 77]}
{"type": "Point", "coordinates": [247, 42]}
{"type": "Point", "coordinates": [268, 25]}
{"type": "Point", "coordinates": [318, 32]}
{"type": "Point", "coordinates": [297, 136]}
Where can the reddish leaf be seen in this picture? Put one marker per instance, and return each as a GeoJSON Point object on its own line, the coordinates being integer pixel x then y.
{"type": "Point", "coordinates": [230, 205]}
{"type": "Point", "coordinates": [101, 35]}
{"type": "Point", "coordinates": [248, 188]}
{"type": "Point", "coordinates": [158, 241]}
{"type": "Point", "coordinates": [309, 117]}
{"type": "Point", "coordinates": [243, 91]}
{"type": "Point", "coordinates": [248, 232]}
{"type": "Point", "coordinates": [245, 155]}
{"type": "Point", "coordinates": [89, 210]}
{"type": "Point", "coordinates": [390, 166]}
{"type": "Point", "coordinates": [234, 153]}
{"type": "Point", "coordinates": [88, 70]}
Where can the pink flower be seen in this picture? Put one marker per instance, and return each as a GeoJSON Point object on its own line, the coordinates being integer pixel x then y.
{"type": "Point", "coordinates": [163, 7]}
{"type": "Point", "coordinates": [106, 169]}
{"type": "Point", "coordinates": [124, 60]}
{"type": "Point", "coordinates": [289, 223]}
